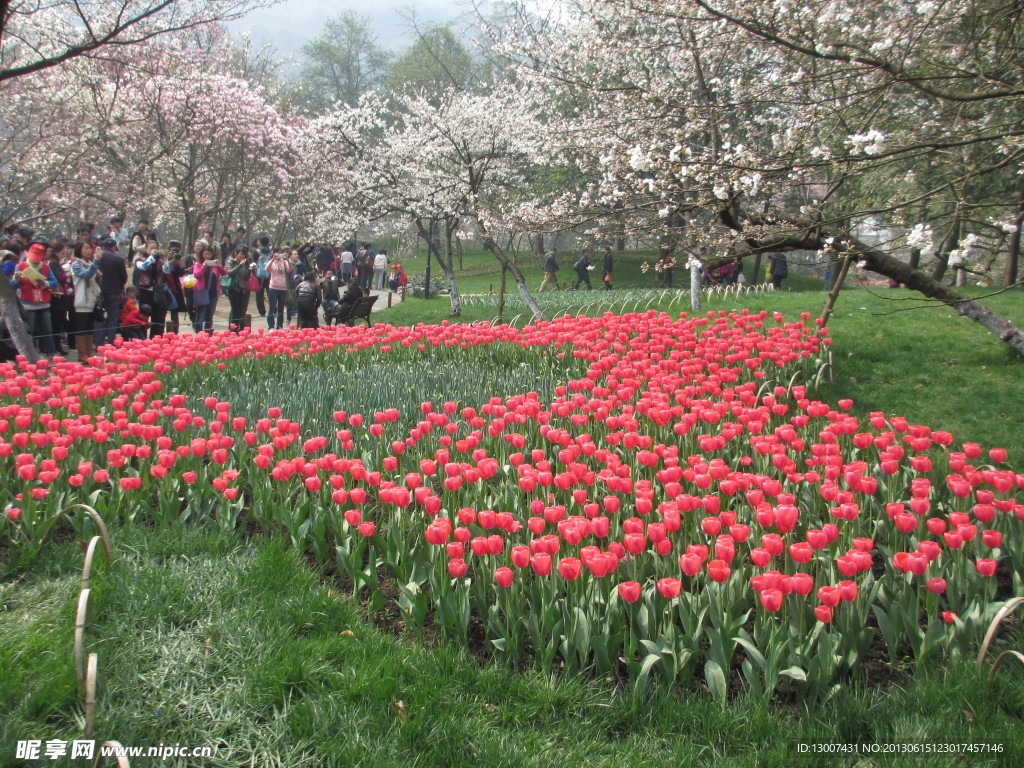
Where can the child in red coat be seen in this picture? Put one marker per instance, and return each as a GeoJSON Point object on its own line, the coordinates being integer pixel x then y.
{"type": "Point", "coordinates": [133, 323]}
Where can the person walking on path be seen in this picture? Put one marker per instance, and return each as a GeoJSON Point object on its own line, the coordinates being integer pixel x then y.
{"type": "Point", "coordinates": [778, 269]}
{"type": "Point", "coordinates": [608, 264]}
{"type": "Point", "coordinates": [550, 271]}
{"type": "Point", "coordinates": [582, 267]}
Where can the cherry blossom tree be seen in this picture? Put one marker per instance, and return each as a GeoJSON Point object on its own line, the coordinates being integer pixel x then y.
{"type": "Point", "coordinates": [188, 140]}
{"type": "Point", "coordinates": [35, 36]}
{"type": "Point", "coordinates": [759, 127]}
{"type": "Point", "coordinates": [45, 148]}
{"type": "Point", "coordinates": [446, 157]}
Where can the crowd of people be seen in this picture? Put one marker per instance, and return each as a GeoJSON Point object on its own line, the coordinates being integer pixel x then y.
{"type": "Point", "coordinates": [85, 292]}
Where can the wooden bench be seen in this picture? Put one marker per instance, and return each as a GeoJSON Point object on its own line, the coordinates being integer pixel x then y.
{"type": "Point", "coordinates": [360, 311]}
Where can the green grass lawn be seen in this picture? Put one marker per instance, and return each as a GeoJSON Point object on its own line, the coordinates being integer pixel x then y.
{"type": "Point", "coordinates": [213, 639]}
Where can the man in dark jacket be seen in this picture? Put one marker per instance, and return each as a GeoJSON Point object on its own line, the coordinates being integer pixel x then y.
{"type": "Point", "coordinates": [550, 269]}
{"type": "Point", "coordinates": [778, 269]}
{"type": "Point", "coordinates": [352, 294]}
{"type": "Point", "coordinates": [607, 267]}
{"type": "Point", "coordinates": [113, 277]}
{"type": "Point", "coordinates": [581, 266]}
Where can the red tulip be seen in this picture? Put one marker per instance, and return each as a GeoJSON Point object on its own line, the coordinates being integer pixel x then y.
{"type": "Point", "coordinates": [520, 556]}
{"type": "Point", "coordinates": [993, 539]}
{"type": "Point", "coordinates": [541, 563]}
{"type": "Point", "coordinates": [669, 587]}
{"type": "Point", "coordinates": [830, 596]}
{"type": "Point", "coordinates": [771, 599]}
{"type": "Point", "coordinates": [718, 570]}
{"type": "Point", "coordinates": [629, 591]}
{"type": "Point", "coordinates": [503, 577]}
{"type": "Point", "coordinates": [936, 585]}
{"type": "Point", "coordinates": [569, 568]}
{"type": "Point", "coordinates": [986, 566]}
{"type": "Point", "coordinates": [457, 568]}
{"type": "Point", "coordinates": [847, 591]}
{"type": "Point", "coordinates": [802, 583]}
{"type": "Point", "coordinates": [801, 552]}
{"type": "Point", "coordinates": [690, 564]}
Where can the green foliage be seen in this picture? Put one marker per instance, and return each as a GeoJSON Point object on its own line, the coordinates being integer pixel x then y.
{"type": "Point", "coordinates": [343, 63]}
{"type": "Point", "coordinates": [436, 61]}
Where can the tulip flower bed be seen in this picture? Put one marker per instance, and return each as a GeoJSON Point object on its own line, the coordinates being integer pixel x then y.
{"type": "Point", "coordinates": [637, 494]}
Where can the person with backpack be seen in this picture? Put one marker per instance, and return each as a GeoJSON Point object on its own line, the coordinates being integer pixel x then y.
{"type": "Point", "coordinates": [364, 262]}
{"type": "Point", "coordinates": [778, 269]}
{"type": "Point", "coordinates": [307, 301]}
{"type": "Point", "coordinates": [582, 267]}
{"type": "Point", "coordinates": [263, 256]}
{"type": "Point", "coordinates": [550, 271]}
{"type": "Point", "coordinates": [148, 277]}
{"type": "Point", "coordinates": [140, 237]}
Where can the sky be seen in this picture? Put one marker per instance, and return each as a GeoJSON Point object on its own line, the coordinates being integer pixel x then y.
{"type": "Point", "coordinates": [290, 24]}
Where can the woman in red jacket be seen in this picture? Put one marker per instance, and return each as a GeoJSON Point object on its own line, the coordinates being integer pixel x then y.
{"type": "Point", "coordinates": [34, 281]}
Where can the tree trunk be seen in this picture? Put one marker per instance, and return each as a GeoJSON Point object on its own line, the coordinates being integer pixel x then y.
{"type": "Point", "coordinates": [493, 247]}
{"type": "Point", "coordinates": [915, 258]}
{"type": "Point", "coordinates": [834, 289]}
{"type": "Point", "coordinates": [449, 269]}
{"type": "Point", "coordinates": [1013, 256]}
{"type": "Point", "coordinates": [434, 251]}
{"type": "Point", "coordinates": [458, 252]}
{"type": "Point", "coordinates": [537, 243]}
{"type": "Point", "coordinates": [501, 296]}
{"type": "Point", "coordinates": [919, 281]}
{"type": "Point", "coordinates": [757, 269]}
{"type": "Point", "coordinates": [948, 244]}
{"type": "Point", "coordinates": [11, 308]}
{"type": "Point", "coordinates": [695, 270]}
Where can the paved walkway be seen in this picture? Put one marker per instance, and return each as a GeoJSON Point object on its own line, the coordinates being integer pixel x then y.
{"type": "Point", "coordinates": [220, 317]}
